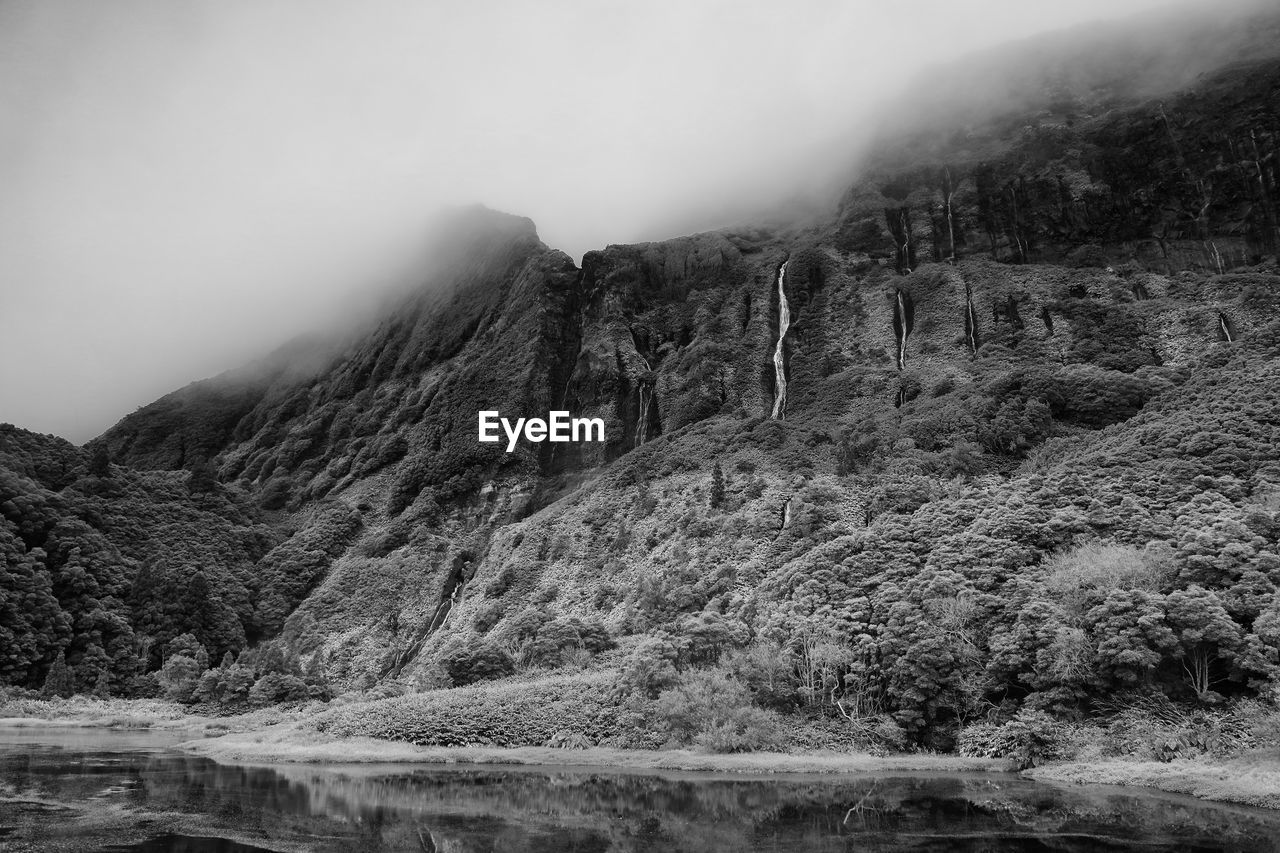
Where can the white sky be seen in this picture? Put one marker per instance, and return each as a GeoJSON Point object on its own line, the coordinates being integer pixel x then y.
{"type": "Point", "coordinates": [186, 185]}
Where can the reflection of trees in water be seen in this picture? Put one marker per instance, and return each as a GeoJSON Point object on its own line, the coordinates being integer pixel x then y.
{"type": "Point", "coordinates": [468, 811]}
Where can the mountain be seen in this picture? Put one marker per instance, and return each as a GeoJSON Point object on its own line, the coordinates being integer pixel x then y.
{"type": "Point", "coordinates": [1025, 456]}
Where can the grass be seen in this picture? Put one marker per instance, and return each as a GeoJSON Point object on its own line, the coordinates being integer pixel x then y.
{"type": "Point", "coordinates": [1251, 780]}
{"type": "Point", "coordinates": [298, 743]}
{"type": "Point", "coordinates": [89, 712]}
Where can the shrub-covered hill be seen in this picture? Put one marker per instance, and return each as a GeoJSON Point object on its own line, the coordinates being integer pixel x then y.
{"type": "Point", "coordinates": [1026, 456]}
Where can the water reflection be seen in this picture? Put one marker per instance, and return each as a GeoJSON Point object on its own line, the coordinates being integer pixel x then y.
{"type": "Point", "coordinates": [593, 809]}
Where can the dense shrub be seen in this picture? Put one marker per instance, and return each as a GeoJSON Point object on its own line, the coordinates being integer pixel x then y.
{"type": "Point", "coordinates": [274, 688]}
{"type": "Point", "coordinates": [649, 668]}
{"type": "Point", "coordinates": [179, 678]}
{"type": "Point", "coordinates": [1151, 728]}
{"type": "Point", "coordinates": [468, 660]}
{"type": "Point", "coordinates": [1029, 739]}
{"type": "Point", "coordinates": [710, 709]}
{"type": "Point", "coordinates": [508, 714]}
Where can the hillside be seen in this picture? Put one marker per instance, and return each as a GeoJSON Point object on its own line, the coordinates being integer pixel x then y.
{"type": "Point", "coordinates": [1026, 457]}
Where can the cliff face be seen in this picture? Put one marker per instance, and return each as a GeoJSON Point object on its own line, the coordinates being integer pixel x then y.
{"type": "Point", "coordinates": [981, 327]}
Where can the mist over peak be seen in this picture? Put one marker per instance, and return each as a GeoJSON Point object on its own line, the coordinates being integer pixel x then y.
{"type": "Point", "coordinates": [187, 186]}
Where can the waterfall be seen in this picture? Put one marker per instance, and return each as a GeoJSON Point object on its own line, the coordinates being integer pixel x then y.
{"type": "Point", "coordinates": [779, 358]}
{"type": "Point", "coordinates": [642, 423]}
{"type": "Point", "coordinates": [970, 322]}
{"type": "Point", "coordinates": [902, 325]}
{"type": "Point", "coordinates": [1225, 327]}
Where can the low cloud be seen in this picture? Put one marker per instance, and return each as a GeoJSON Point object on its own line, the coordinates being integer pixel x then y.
{"type": "Point", "coordinates": [189, 185]}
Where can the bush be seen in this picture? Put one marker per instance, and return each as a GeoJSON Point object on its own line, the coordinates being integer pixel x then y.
{"type": "Point", "coordinates": [711, 710]}
{"type": "Point", "coordinates": [561, 638]}
{"type": "Point", "coordinates": [767, 671]}
{"type": "Point", "coordinates": [234, 684]}
{"type": "Point", "coordinates": [1261, 719]}
{"type": "Point", "coordinates": [275, 494]}
{"type": "Point", "coordinates": [179, 678]}
{"type": "Point", "coordinates": [477, 660]}
{"type": "Point", "coordinates": [1029, 739]}
{"type": "Point", "coordinates": [649, 668]}
{"type": "Point", "coordinates": [58, 681]}
{"type": "Point", "coordinates": [571, 709]}
{"type": "Point", "coordinates": [487, 616]}
{"type": "Point", "coordinates": [503, 582]}
{"type": "Point", "coordinates": [1155, 729]}
{"type": "Point", "coordinates": [274, 688]}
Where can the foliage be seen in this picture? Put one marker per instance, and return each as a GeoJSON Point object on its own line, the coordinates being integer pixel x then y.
{"type": "Point", "coordinates": [711, 709]}
{"type": "Point", "coordinates": [468, 660]}
{"type": "Point", "coordinates": [504, 714]}
{"type": "Point", "coordinates": [1029, 739]}
{"type": "Point", "coordinates": [179, 678]}
{"type": "Point", "coordinates": [58, 681]}
{"type": "Point", "coordinates": [274, 688]}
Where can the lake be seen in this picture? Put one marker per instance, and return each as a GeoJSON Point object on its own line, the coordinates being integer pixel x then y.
{"type": "Point", "coordinates": [91, 789]}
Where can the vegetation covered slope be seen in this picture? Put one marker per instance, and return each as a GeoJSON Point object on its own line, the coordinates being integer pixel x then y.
{"type": "Point", "coordinates": [1026, 461]}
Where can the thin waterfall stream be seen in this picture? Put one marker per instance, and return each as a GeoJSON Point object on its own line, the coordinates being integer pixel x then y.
{"type": "Point", "coordinates": [779, 357]}
{"type": "Point", "coordinates": [902, 326]}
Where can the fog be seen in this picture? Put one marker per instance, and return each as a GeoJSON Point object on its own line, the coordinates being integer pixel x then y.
{"type": "Point", "coordinates": [188, 185]}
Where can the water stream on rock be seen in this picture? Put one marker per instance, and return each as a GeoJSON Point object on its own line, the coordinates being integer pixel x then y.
{"type": "Point", "coordinates": [970, 322]}
{"type": "Point", "coordinates": [903, 329]}
{"type": "Point", "coordinates": [779, 358]}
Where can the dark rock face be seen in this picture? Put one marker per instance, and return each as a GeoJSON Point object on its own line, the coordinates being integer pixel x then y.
{"type": "Point", "coordinates": [1188, 182]}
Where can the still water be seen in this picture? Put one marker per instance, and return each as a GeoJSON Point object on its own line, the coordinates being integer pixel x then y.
{"type": "Point", "coordinates": [98, 790]}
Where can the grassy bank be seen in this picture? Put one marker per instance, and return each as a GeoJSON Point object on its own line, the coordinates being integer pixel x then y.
{"type": "Point", "coordinates": [298, 742]}
{"type": "Point", "coordinates": [1251, 781]}
{"type": "Point", "coordinates": [88, 712]}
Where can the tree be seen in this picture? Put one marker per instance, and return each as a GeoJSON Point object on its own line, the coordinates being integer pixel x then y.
{"type": "Point", "coordinates": [32, 623]}
{"type": "Point", "coordinates": [717, 485]}
{"type": "Point", "coordinates": [187, 644]}
{"type": "Point", "coordinates": [234, 686]}
{"type": "Point", "coordinates": [316, 680]}
{"type": "Point", "coordinates": [100, 460]}
{"type": "Point", "coordinates": [708, 634]}
{"type": "Point", "coordinates": [203, 479]}
{"type": "Point", "coordinates": [711, 709]}
{"type": "Point", "coordinates": [482, 660]}
{"type": "Point", "coordinates": [102, 685]}
{"type": "Point", "coordinates": [179, 678]}
{"type": "Point", "coordinates": [1131, 635]}
{"type": "Point", "coordinates": [649, 668]}
{"type": "Point", "coordinates": [274, 688]}
{"type": "Point", "coordinates": [168, 602]}
{"type": "Point", "coordinates": [58, 681]}
{"type": "Point", "coordinates": [208, 688]}
{"type": "Point", "coordinates": [1206, 635]}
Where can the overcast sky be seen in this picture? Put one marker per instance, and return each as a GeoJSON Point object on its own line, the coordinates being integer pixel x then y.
{"type": "Point", "coordinates": [186, 185]}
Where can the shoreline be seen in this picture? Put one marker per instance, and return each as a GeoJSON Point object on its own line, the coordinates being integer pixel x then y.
{"type": "Point", "coordinates": [267, 739]}
{"type": "Point", "coordinates": [293, 745]}
{"type": "Point", "coordinates": [1227, 781]}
